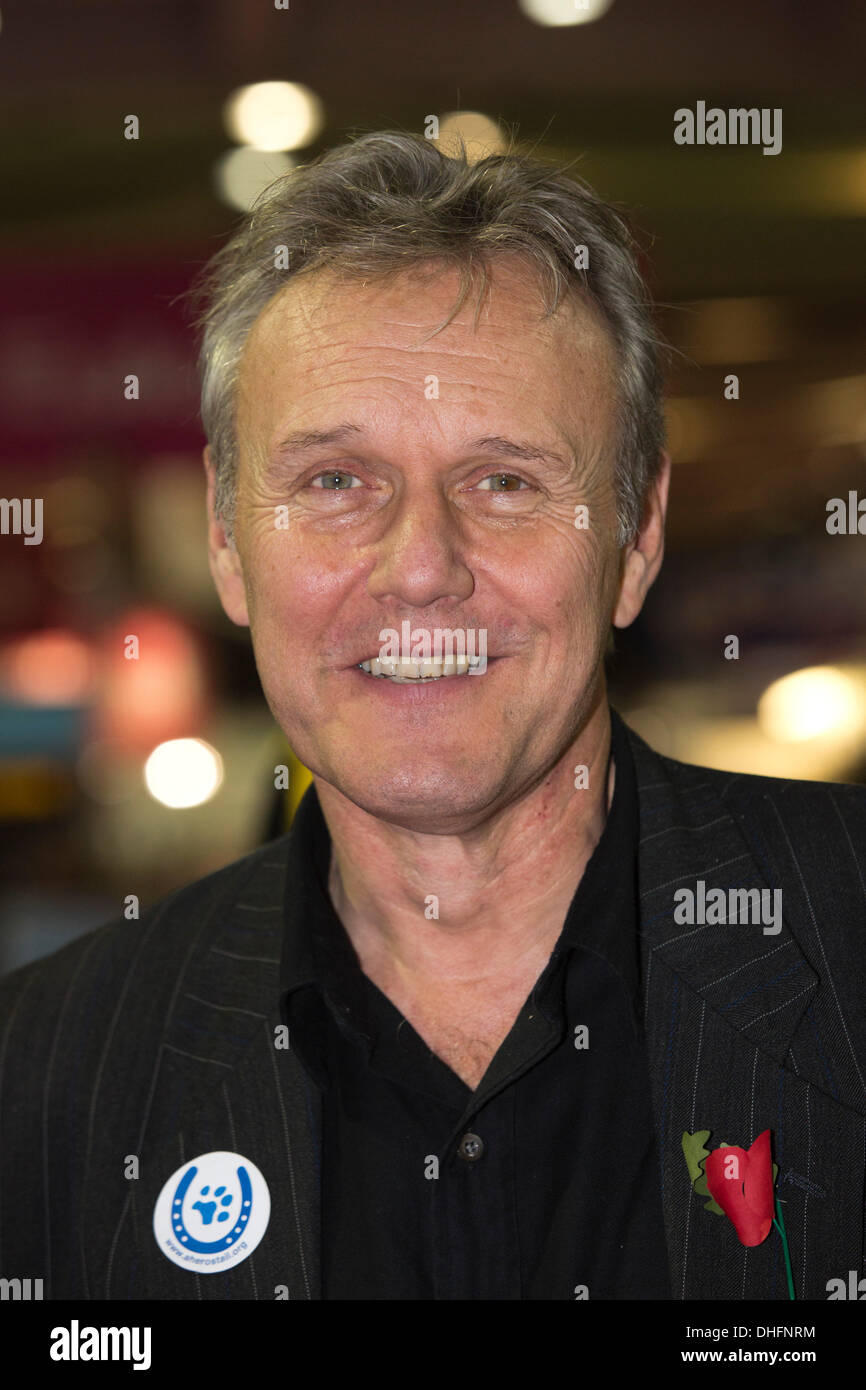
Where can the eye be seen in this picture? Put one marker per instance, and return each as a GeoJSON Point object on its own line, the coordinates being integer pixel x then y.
{"type": "Point", "coordinates": [340, 482]}
{"type": "Point", "coordinates": [505, 479]}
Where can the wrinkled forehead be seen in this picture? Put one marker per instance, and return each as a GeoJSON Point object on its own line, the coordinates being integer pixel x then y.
{"type": "Point", "coordinates": [419, 304]}
{"type": "Point", "coordinates": [327, 326]}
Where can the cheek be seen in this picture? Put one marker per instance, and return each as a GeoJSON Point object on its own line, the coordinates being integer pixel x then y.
{"type": "Point", "coordinates": [573, 583]}
{"type": "Point", "coordinates": [585, 606]}
{"type": "Point", "coordinates": [294, 596]}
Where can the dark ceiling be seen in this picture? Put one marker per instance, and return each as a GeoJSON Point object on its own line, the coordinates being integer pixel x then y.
{"type": "Point", "coordinates": [784, 232]}
{"type": "Point", "coordinates": [724, 221]}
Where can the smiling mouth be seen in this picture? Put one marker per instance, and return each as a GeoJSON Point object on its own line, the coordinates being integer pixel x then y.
{"type": "Point", "coordinates": [403, 671]}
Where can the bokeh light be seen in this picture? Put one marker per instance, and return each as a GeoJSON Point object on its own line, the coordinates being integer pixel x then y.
{"type": "Point", "coordinates": [555, 13]}
{"type": "Point", "coordinates": [183, 772]}
{"type": "Point", "coordinates": [54, 667]}
{"type": "Point", "coordinates": [158, 690]}
{"type": "Point", "coordinates": [478, 133]}
{"type": "Point", "coordinates": [240, 176]}
{"type": "Point", "coordinates": [815, 701]}
{"type": "Point", "coordinates": [273, 115]}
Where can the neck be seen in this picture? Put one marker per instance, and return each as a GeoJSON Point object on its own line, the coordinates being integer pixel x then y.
{"type": "Point", "coordinates": [502, 889]}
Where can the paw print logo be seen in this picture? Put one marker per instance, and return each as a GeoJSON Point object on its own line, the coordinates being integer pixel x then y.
{"type": "Point", "coordinates": [217, 1207]}
{"type": "Point", "coordinates": [220, 1193]}
{"type": "Point", "coordinates": [206, 1209]}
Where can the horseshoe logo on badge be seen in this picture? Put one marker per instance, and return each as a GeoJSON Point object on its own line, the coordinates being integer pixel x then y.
{"type": "Point", "coordinates": [212, 1212]}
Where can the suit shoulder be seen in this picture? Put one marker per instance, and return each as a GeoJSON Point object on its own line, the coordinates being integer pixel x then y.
{"type": "Point", "coordinates": [154, 945]}
{"type": "Point", "coordinates": [657, 771]}
{"type": "Point", "coordinates": [792, 792]}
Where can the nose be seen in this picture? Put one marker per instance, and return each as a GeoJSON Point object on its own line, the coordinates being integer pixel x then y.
{"type": "Point", "coordinates": [420, 558]}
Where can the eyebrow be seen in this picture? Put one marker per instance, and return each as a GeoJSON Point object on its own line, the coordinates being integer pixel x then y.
{"type": "Point", "coordinates": [304, 440]}
{"type": "Point", "coordinates": [509, 448]}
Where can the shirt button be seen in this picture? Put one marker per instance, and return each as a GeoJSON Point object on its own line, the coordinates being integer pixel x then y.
{"type": "Point", "coordinates": [471, 1148]}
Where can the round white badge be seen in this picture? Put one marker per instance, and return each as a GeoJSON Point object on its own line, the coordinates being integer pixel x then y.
{"type": "Point", "coordinates": [212, 1212]}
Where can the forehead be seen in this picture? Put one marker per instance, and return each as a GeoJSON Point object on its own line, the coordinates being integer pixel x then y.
{"type": "Point", "coordinates": [327, 333]}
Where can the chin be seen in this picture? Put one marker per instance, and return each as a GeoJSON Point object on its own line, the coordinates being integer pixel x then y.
{"type": "Point", "coordinates": [429, 799]}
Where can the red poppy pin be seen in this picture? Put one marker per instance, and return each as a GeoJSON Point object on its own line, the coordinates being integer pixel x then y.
{"type": "Point", "coordinates": [740, 1185]}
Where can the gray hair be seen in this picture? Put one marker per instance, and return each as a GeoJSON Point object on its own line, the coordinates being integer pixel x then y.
{"type": "Point", "coordinates": [387, 201]}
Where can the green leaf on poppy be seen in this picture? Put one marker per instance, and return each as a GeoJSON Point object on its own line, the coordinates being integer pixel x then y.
{"type": "Point", "coordinates": [696, 1154]}
{"type": "Point", "coordinates": [703, 1190]}
{"type": "Point", "coordinates": [694, 1150]}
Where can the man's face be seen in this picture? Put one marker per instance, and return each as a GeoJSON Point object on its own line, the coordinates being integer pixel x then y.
{"type": "Point", "coordinates": [423, 512]}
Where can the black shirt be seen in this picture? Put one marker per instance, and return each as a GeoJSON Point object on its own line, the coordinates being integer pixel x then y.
{"type": "Point", "coordinates": [541, 1184]}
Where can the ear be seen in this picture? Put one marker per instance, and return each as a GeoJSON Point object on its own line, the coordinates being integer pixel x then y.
{"type": "Point", "coordinates": [225, 563]}
{"type": "Point", "coordinates": [643, 556]}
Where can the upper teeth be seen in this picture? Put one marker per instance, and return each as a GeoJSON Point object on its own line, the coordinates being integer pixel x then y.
{"type": "Point", "coordinates": [402, 668]}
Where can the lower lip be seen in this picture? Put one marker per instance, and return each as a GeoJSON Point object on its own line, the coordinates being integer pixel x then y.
{"type": "Point", "coordinates": [421, 692]}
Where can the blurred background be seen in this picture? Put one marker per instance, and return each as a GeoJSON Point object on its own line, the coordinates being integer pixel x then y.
{"type": "Point", "coordinates": [124, 777]}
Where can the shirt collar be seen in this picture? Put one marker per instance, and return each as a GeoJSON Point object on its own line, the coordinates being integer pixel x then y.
{"type": "Point", "coordinates": [307, 900]}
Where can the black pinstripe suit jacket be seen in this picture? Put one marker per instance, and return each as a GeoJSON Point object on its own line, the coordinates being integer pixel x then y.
{"type": "Point", "coordinates": [156, 1038]}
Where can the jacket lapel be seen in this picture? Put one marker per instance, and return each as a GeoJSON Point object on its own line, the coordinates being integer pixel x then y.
{"type": "Point", "coordinates": [722, 1005]}
{"type": "Point", "coordinates": [223, 1083]}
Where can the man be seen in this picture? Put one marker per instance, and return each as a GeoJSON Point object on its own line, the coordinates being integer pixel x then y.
{"type": "Point", "coordinates": [445, 1039]}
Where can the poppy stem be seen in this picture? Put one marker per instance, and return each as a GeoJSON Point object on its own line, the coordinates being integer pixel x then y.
{"type": "Point", "coordinates": [780, 1227]}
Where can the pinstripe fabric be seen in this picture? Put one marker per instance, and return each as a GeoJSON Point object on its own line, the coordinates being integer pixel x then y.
{"type": "Point", "coordinates": [748, 1031]}
{"type": "Point", "coordinates": [156, 1039]}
